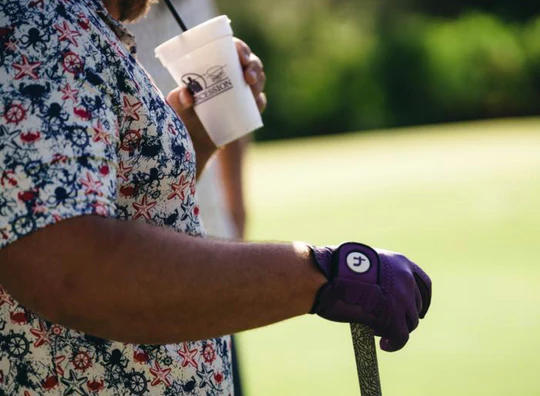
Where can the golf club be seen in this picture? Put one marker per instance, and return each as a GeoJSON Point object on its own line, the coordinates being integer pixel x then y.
{"type": "Point", "coordinates": [365, 354]}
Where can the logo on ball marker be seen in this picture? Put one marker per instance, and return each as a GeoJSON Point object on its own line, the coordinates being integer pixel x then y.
{"type": "Point", "coordinates": [358, 262]}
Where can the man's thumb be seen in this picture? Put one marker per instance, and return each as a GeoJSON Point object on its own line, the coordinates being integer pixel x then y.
{"type": "Point", "coordinates": [181, 101]}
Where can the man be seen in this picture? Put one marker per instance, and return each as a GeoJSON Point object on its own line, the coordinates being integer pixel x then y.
{"type": "Point", "coordinates": [108, 286]}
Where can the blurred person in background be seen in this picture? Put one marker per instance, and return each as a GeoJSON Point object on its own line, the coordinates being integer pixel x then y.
{"type": "Point", "coordinates": [220, 188]}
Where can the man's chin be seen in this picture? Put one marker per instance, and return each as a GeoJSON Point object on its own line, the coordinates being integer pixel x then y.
{"type": "Point", "coordinates": [133, 10]}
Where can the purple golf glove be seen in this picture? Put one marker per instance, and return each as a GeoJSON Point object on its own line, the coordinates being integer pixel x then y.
{"type": "Point", "coordinates": [381, 289]}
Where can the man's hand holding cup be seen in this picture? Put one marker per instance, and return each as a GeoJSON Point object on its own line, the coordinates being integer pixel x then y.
{"type": "Point", "coordinates": [221, 81]}
{"type": "Point", "coordinates": [183, 101]}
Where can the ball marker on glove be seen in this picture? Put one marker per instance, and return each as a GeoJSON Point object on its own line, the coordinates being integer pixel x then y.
{"type": "Point", "coordinates": [358, 262]}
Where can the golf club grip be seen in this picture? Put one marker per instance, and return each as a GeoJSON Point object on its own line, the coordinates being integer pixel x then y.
{"type": "Point", "coordinates": [366, 360]}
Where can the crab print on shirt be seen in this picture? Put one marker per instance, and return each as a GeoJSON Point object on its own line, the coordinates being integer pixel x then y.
{"type": "Point", "coordinates": [83, 131]}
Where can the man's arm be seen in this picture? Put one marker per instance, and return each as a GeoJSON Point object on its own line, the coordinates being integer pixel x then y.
{"type": "Point", "coordinates": [133, 282]}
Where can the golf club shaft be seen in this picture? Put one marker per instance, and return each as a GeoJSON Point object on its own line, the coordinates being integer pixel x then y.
{"type": "Point", "coordinates": [366, 360]}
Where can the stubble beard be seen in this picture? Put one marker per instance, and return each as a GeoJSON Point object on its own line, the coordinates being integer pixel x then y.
{"type": "Point", "coordinates": [131, 10]}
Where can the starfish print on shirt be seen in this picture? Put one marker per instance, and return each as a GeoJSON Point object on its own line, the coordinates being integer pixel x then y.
{"type": "Point", "coordinates": [74, 384]}
{"type": "Point", "coordinates": [69, 93]}
{"type": "Point", "coordinates": [188, 356]}
{"type": "Point", "coordinates": [143, 208]}
{"type": "Point", "coordinates": [179, 189]}
{"type": "Point", "coordinates": [161, 375]}
{"type": "Point", "coordinates": [123, 171]}
{"type": "Point", "coordinates": [131, 110]}
{"type": "Point", "coordinates": [26, 68]}
{"type": "Point", "coordinates": [58, 360]}
{"type": "Point", "coordinates": [101, 134]}
{"type": "Point", "coordinates": [11, 46]}
{"type": "Point", "coordinates": [206, 377]}
{"type": "Point", "coordinates": [42, 335]}
{"type": "Point", "coordinates": [188, 207]}
{"type": "Point", "coordinates": [91, 186]}
{"type": "Point", "coordinates": [5, 298]}
{"type": "Point", "coordinates": [67, 34]}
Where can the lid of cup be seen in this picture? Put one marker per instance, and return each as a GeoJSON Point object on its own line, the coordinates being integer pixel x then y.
{"type": "Point", "coordinates": [194, 38]}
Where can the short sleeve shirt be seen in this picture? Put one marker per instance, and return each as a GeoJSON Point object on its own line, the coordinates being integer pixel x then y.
{"type": "Point", "coordinates": [84, 131]}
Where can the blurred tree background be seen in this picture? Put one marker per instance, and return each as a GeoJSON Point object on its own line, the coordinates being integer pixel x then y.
{"type": "Point", "coordinates": [348, 65]}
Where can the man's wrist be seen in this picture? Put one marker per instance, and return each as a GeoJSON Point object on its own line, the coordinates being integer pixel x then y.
{"type": "Point", "coordinates": [204, 149]}
{"type": "Point", "coordinates": [314, 276]}
{"type": "Point", "coordinates": [203, 144]}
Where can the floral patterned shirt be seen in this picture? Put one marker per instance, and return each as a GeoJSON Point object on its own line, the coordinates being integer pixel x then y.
{"type": "Point", "coordinates": [84, 131]}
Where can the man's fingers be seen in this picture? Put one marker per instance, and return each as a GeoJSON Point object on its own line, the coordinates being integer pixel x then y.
{"type": "Point", "coordinates": [244, 52]}
{"type": "Point", "coordinates": [256, 78]}
{"type": "Point", "coordinates": [180, 99]}
{"type": "Point", "coordinates": [252, 65]}
{"type": "Point", "coordinates": [255, 81]}
{"type": "Point", "coordinates": [254, 70]}
{"type": "Point", "coordinates": [173, 99]}
{"type": "Point", "coordinates": [261, 101]}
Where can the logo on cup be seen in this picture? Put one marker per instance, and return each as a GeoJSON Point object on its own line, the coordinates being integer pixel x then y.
{"type": "Point", "coordinates": [208, 85]}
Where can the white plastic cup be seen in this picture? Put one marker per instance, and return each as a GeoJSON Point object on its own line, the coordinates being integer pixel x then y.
{"type": "Point", "coordinates": [205, 60]}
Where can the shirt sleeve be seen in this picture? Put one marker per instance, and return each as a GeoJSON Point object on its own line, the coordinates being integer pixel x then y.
{"type": "Point", "coordinates": [58, 127]}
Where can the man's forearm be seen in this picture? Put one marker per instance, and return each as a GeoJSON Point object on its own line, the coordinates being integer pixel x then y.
{"type": "Point", "coordinates": [132, 282]}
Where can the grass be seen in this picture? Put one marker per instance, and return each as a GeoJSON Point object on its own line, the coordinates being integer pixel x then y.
{"type": "Point", "coordinates": [461, 200]}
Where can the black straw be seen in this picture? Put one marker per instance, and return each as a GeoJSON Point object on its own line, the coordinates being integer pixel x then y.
{"type": "Point", "coordinates": [176, 16]}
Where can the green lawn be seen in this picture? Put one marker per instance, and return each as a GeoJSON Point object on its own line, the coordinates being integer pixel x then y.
{"type": "Point", "coordinates": [461, 200]}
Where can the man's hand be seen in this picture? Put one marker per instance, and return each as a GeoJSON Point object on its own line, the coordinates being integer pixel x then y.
{"type": "Point", "coordinates": [381, 289]}
{"type": "Point", "coordinates": [182, 101]}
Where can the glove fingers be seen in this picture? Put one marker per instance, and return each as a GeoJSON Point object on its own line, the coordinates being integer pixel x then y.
{"type": "Point", "coordinates": [395, 341]}
{"type": "Point", "coordinates": [418, 299]}
{"type": "Point", "coordinates": [347, 313]}
{"type": "Point", "coordinates": [424, 286]}
{"type": "Point", "coordinates": [412, 320]}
